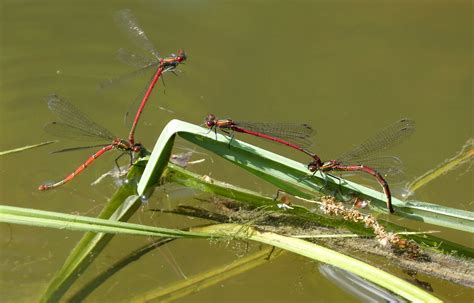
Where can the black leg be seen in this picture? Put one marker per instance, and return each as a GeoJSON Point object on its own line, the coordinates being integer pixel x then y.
{"type": "Point", "coordinates": [278, 194]}
{"type": "Point", "coordinates": [340, 182]}
{"type": "Point", "coordinates": [325, 180]}
{"type": "Point", "coordinates": [230, 134]}
{"type": "Point", "coordinates": [116, 161]}
{"type": "Point", "coordinates": [339, 186]}
{"type": "Point", "coordinates": [270, 254]}
{"type": "Point", "coordinates": [164, 85]}
{"type": "Point", "coordinates": [307, 177]}
{"type": "Point", "coordinates": [230, 141]}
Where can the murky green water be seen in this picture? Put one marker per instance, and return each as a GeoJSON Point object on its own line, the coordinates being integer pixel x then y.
{"type": "Point", "coordinates": [347, 68]}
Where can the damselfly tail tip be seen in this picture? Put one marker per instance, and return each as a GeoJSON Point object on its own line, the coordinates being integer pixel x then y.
{"type": "Point", "coordinates": [49, 185]}
{"type": "Point", "coordinates": [43, 187]}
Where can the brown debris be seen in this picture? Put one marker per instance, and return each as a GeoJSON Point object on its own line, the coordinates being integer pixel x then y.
{"type": "Point", "coordinates": [402, 247]}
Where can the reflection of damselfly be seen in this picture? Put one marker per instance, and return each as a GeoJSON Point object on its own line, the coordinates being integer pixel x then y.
{"type": "Point", "coordinates": [128, 23]}
{"type": "Point", "coordinates": [75, 125]}
{"type": "Point", "coordinates": [360, 158]}
{"type": "Point", "coordinates": [296, 136]}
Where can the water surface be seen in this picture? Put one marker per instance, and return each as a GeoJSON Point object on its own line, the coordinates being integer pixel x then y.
{"type": "Point", "coordinates": [347, 68]}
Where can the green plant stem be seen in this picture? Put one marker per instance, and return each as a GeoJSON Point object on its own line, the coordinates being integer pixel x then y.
{"type": "Point", "coordinates": [328, 256]}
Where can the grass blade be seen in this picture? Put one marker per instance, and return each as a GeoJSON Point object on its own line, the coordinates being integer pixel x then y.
{"type": "Point", "coordinates": [292, 176]}
{"type": "Point", "coordinates": [121, 207]}
{"type": "Point", "coordinates": [328, 256]}
{"type": "Point", "coordinates": [466, 154]}
{"type": "Point", "coordinates": [207, 279]}
{"type": "Point", "coordinates": [186, 178]}
{"type": "Point", "coordinates": [41, 218]}
{"type": "Point", "coordinates": [20, 149]}
{"type": "Point", "coordinates": [93, 284]}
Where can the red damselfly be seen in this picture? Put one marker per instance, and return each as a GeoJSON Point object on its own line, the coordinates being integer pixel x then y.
{"type": "Point", "coordinates": [360, 158]}
{"type": "Point", "coordinates": [296, 136]}
{"type": "Point", "coordinates": [75, 125]}
{"type": "Point", "coordinates": [128, 23]}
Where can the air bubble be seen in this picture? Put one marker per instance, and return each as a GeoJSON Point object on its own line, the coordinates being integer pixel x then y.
{"type": "Point", "coordinates": [145, 199]}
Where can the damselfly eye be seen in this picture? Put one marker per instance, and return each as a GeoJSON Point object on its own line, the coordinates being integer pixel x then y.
{"type": "Point", "coordinates": [210, 120]}
{"type": "Point", "coordinates": [313, 166]}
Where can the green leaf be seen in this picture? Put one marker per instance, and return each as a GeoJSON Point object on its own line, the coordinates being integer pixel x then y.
{"type": "Point", "coordinates": [20, 149]}
{"type": "Point", "coordinates": [465, 155]}
{"type": "Point", "coordinates": [291, 176]}
{"type": "Point", "coordinates": [286, 174]}
{"type": "Point", "coordinates": [328, 256]}
{"type": "Point", "coordinates": [16, 215]}
{"type": "Point", "coordinates": [121, 207]}
{"type": "Point", "coordinates": [41, 218]}
{"type": "Point", "coordinates": [184, 177]}
{"type": "Point", "coordinates": [208, 278]}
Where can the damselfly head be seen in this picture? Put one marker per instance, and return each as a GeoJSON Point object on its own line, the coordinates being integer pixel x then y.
{"type": "Point", "coordinates": [210, 120]}
{"type": "Point", "coordinates": [181, 56]}
{"type": "Point", "coordinates": [314, 166]}
{"type": "Point", "coordinates": [137, 147]}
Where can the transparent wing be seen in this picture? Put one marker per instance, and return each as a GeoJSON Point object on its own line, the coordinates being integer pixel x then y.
{"type": "Point", "coordinates": [63, 130]}
{"type": "Point", "coordinates": [387, 138]}
{"type": "Point", "coordinates": [77, 148]}
{"type": "Point", "coordinates": [127, 77]}
{"type": "Point", "coordinates": [73, 123]}
{"type": "Point", "coordinates": [128, 23]}
{"type": "Point", "coordinates": [391, 169]}
{"type": "Point", "coordinates": [134, 60]}
{"type": "Point", "coordinates": [292, 132]}
{"type": "Point", "coordinates": [386, 166]}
